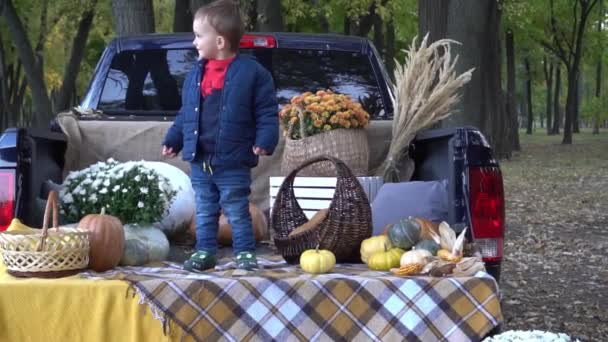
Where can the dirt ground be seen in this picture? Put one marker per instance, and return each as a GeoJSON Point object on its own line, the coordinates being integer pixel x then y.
{"type": "Point", "coordinates": [555, 274]}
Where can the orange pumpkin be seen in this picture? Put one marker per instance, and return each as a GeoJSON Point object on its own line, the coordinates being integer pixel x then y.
{"type": "Point", "coordinates": [224, 234]}
{"type": "Point", "coordinates": [107, 240]}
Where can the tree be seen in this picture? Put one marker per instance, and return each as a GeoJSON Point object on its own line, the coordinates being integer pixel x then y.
{"type": "Point", "coordinates": [31, 58]}
{"type": "Point", "coordinates": [510, 103]}
{"type": "Point", "coordinates": [528, 89]}
{"type": "Point", "coordinates": [133, 17]}
{"type": "Point", "coordinates": [475, 24]}
{"type": "Point", "coordinates": [598, 72]}
{"type": "Point", "coordinates": [269, 16]}
{"type": "Point", "coordinates": [182, 16]}
{"type": "Point", "coordinates": [548, 72]}
{"type": "Point", "coordinates": [557, 121]}
{"type": "Point", "coordinates": [566, 43]}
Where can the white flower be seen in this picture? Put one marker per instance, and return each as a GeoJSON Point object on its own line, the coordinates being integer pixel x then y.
{"type": "Point", "coordinates": [106, 182]}
{"type": "Point", "coordinates": [150, 177]}
{"type": "Point", "coordinates": [67, 198]}
{"type": "Point", "coordinates": [143, 190]}
{"type": "Point", "coordinates": [87, 180]}
{"type": "Point", "coordinates": [103, 191]}
{"type": "Point", "coordinates": [137, 178]}
{"type": "Point", "coordinates": [111, 161]}
{"type": "Point", "coordinates": [116, 188]}
{"type": "Point", "coordinates": [124, 191]}
{"type": "Point", "coordinates": [96, 183]}
{"type": "Point", "coordinates": [140, 204]}
{"type": "Point", "coordinates": [93, 198]}
{"type": "Point", "coordinates": [82, 192]}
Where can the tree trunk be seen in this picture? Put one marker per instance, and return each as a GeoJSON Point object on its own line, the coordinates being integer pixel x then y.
{"type": "Point", "coordinates": [475, 24]}
{"type": "Point", "coordinates": [577, 104]}
{"type": "Point", "coordinates": [530, 120]}
{"type": "Point", "coordinates": [270, 18]}
{"type": "Point", "coordinates": [33, 72]}
{"type": "Point", "coordinates": [182, 17]}
{"type": "Point", "coordinates": [511, 112]}
{"type": "Point", "coordinates": [570, 105]}
{"type": "Point", "coordinates": [379, 36]}
{"type": "Point", "coordinates": [598, 75]}
{"type": "Point", "coordinates": [557, 117]}
{"type": "Point", "coordinates": [133, 17]}
{"type": "Point", "coordinates": [346, 25]}
{"type": "Point", "coordinates": [549, 83]}
{"type": "Point", "coordinates": [78, 48]}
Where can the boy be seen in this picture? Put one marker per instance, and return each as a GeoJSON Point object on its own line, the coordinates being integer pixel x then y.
{"type": "Point", "coordinates": [229, 117]}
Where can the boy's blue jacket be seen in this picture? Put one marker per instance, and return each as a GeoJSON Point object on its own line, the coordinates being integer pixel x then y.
{"type": "Point", "coordinates": [248, 115]}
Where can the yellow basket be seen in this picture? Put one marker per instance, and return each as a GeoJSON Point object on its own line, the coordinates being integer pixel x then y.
{"type": "Point", "coordinates": [48, 254]}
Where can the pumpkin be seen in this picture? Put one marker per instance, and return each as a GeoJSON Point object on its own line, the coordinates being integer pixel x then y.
{"type": "Point", "coordinates": [317, 261]}
{"type": "Point", "coordinates": [224, 233]}
{"type": "Point", "coordinates": [405, 233]}
{"type": "Point", "coordinates": [314, 221]}
{"type": "Point", "coordinates": [415, 257]}
{"type": "Point", "coordinates": [428, 245]}
{"type": "Point", "coordinates": [372, 245]}
{"type": "Point", "coordinates": [106, 238]}
{"type": "Point", "coordinates": [385, 260]}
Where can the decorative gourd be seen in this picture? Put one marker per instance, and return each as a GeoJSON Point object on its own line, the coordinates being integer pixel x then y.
{"type": "Point", "coordinates": [144, 244]}
{"type": "Point", "coordinates": [373, 245]}
{"type": "Point", "coordinates": [415, 257]}
{"type": "Point", "coordinates": [106, 238]}
{"type": "Point", "coordinates": [385, 260]}
{"type": "Point", "coordinates": [317, 261]}
{"type": "Point", "coordinates": [428, 245]}
{"type": "Point", "coordinates": [454, 255]}
{"type": "Point", "coordinates": [405, 233]}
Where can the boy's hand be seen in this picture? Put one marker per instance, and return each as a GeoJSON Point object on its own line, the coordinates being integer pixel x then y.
{"type": "Point", "coordinates": [168, 152]}
{"type": "Point", "coordinates": [258, 151]}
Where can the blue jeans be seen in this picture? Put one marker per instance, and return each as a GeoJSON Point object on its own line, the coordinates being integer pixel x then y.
{"type": "Point", "coordinates": [228, 188]}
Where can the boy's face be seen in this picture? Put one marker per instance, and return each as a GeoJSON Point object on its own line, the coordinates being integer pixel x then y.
{"type": "Point", "coordinates": [206, 40]}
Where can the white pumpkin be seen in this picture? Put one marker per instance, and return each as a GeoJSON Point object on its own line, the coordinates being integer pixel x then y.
{"type": "Point", "coordinates": [182, 209]}
{"type": "Point", "coordinates": [418, 256]}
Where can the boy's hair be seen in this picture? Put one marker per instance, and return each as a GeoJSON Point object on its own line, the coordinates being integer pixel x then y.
{"type": "Point", "coordinates": [226, 18]}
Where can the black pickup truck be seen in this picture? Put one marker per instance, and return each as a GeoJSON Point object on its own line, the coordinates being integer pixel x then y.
{"type": "Point", "coordinates": [140, 78]}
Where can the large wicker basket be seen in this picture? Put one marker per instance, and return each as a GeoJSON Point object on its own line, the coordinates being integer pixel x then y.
{"type": "Point", "coordinates": [348, 145]}
{"type": "Point", "coordinates": [348, 221]}
{"type": "Point", "coordinates": [46, 254]}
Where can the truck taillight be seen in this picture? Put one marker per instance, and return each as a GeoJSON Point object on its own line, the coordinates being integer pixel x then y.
{"type": "Point", "coordinates": [487, 211]}
{"type": "Point", "coordinates": [7, 198]}
{"type": "Point", "coordinates": [257, 41]}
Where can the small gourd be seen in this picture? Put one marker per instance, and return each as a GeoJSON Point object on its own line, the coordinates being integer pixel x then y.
{"type": "Point", "coordinates": [415, 257]}
{"type": "Point", "coordinates": [374, 244]}
{"type": "Point", "coordinates": [405, 233]}
{"type": "Point", "coordinates": [385, 260]}
{"type": "Point", "coordinates": [428, 245]}
{"type": "Point", "coordinates": [317, 261]}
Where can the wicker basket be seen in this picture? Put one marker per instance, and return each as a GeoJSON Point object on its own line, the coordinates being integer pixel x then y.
{"type": "Point", "coordinates": [347, 223]}
{"type": "Point", "coordinates": [349, 145]}
{"type": "Point", "coordinates": [48, 254]}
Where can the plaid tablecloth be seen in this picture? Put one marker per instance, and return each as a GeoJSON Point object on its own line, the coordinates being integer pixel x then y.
{"type": "Point", "coordinates": [280, 302]}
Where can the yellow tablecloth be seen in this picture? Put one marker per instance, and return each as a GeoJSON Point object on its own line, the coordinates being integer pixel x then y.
{"type": "Point", "coordinates": [42, 310]}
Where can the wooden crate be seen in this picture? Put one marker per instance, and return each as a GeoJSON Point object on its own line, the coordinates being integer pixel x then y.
{"type": "Point", "coordinates": [315, 193]}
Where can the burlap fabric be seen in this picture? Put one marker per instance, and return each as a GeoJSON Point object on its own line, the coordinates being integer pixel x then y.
{"type": "Point", "coordinates": [348, 145]}
{"type": "Point", "coordinates": [90, 141]}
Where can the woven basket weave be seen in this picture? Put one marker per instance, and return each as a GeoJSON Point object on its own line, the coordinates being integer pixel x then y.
{"type": "Point", "coordinates": [348, 145]}
{"type": "Point", "coordinates": [347, 223]}
{"type": "Point", "coordinates": [48, 254]}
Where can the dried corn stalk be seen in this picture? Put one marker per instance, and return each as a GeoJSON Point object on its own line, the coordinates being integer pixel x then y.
{"type": "Point", "coordinates": [424, 92]}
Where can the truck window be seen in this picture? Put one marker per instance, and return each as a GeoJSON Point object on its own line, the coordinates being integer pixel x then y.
{"type": "Point", "coordinates": [151, 80]}
{"type": "Point", "coordinates": [146, 80]}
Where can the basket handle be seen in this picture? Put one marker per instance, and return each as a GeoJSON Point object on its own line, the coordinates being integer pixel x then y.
{"type": "Point", "coordinates": [51, 207]}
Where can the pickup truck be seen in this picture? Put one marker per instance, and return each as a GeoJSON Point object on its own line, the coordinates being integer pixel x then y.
{"type": "Point", "coordinates": [140, 78]}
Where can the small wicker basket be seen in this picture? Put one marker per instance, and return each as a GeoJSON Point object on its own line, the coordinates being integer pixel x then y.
{"type": "Point", "coordinates": [347, 223]}
{"type": "Point", "coordinates": [48, 254]}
